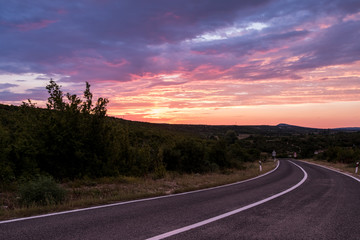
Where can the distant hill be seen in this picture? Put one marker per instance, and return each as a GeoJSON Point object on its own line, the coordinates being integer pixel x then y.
{"type": "Point", "coordinates": [348, 129]}
{"type": "Point", "coordinates": [219, 130]}
{"type": "Point", "coordinates": [344, 129]}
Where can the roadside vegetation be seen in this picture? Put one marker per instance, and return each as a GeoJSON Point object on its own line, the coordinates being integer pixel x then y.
{"type": "Point", "coordinates": [72, 155]}
{"type": "Point", "coordinates": [45, 195]}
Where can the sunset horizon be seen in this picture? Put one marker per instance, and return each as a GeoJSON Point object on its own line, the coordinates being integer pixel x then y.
{"type": "Point", "coordinates": [209, 63]}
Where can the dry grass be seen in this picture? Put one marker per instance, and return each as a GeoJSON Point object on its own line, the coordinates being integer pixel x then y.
{"type": "Point", "coordinates": [87, 193]}
{"type": "Point", "coordinates": [342, 167]}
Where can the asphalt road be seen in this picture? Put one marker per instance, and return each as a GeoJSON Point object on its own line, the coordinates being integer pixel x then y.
{"type": "Point", "coordinates": [324, 205]}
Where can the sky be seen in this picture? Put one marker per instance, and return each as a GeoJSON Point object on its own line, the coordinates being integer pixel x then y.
{"type": "Point", "coordinates": [215, 62]}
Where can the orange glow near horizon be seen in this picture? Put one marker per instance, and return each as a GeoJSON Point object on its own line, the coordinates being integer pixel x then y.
{"type": "Point", "coordinates": [317, 99]}
{"type": "Point", "coordinates": [317, 115]}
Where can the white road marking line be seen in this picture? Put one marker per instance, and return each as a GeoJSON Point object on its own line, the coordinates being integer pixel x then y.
{"type": "Point", "coordinates": [334, 170]}
{"type": "Point", "coordinates": [135, 201]}
{"type": "Point", "coordinates": [210, 220]}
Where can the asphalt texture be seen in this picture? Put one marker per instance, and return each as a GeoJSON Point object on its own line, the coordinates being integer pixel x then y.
{"type": "Point", "coordinates": [325, 206]}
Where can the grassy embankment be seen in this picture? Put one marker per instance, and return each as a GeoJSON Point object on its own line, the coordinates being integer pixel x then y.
{"type": "Point", "coordinates": [85, 193]}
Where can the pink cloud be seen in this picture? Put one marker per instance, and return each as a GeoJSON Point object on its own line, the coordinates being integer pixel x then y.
{"type": "Point", "coordinates": [34, 25]}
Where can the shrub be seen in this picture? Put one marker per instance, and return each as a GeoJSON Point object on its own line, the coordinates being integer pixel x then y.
{"type": "Point", "coordinates": [41, 191]}
{"type": "Point", "coordinates": [159, 170]}
{"type": "Point", "coordinates": [6, 173]}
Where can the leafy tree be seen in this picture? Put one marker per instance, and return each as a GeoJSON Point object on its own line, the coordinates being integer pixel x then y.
{"type": "Point", "coordinates": [74, 103]}
{"type": "Point", "coordinates": [55, 101]}
{"type": "Point", "coordinates": [100, 108]}
{"type": "Point", "coordinates": [218, 154]}
{"type": "Point", "coordinates": [87, 104]}
{"type": "Point", "coordinates": [188, 155]}
{"type": "Point", "coordinates": [28, 104]}
{"type": "Point", "coordinates": [230, 137]}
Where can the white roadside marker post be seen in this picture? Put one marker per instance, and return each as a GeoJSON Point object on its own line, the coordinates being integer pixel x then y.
{"type": "Point", "coordinates": [357, 167]}
{"type": "Point", "coordinates": [274, 155]}
{"type": "Point", "coordinates": [260, 167]}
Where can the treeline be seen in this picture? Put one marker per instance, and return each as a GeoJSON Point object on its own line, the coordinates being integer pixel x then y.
{"type": "Point", "coordinates": [329, 145]}
{"type": "Point", "coordinates": [348, 155]}
{"type": "Point", "coordinates": [73, 138]}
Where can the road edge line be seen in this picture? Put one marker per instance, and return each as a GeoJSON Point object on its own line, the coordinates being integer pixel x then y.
{"type": "Point", "coordinates": [224, 215]}
{"type": "Point", "coordinates": [331, 169]}
{"type": "Point", "coordinates": [136, 201]}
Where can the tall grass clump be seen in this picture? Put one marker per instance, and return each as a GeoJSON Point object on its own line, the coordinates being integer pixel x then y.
{"type": "Point", "coordinates": [41, 191]}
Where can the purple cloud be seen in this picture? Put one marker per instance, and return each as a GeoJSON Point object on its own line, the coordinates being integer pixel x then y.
{"type": "Point", "coordinates": [336, 45]}
{"type": "Point", "coordinates": [62, 37]}
{"type": "Point", "coordinates": [7, 85]}
{"type": "Point", "coordinates": [125, 41]}
{"type": "Point", "coordinates": [35, 94]}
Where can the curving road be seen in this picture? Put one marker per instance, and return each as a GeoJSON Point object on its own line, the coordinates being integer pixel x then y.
{"type": "Point", "coordinates": [296, 201]}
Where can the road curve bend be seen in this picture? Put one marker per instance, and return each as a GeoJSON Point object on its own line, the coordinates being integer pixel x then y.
{"type": "Point", "coordinates": [228, 214]}
{"type": "Point", "coordinates": [326, 206]}
{"type": "Point", "coordinates": [323, 205]}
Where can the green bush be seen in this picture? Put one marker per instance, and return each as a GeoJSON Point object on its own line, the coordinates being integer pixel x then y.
{"type": "Point", "coordinates": [340, 154]}
{"type": "Point", "coordinates": [6, 173]}
{"type": "Point", "coordinates": [41, 191]}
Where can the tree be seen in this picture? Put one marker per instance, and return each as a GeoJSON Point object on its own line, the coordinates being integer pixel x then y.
{"type": "Point", "coordinates": [100, 108]}
{"type": "Point", "coordinates": [55, 101]}
{"type": "Point", "coordinates": [87, 104]}
{"type": "Point", "coordinates": [28, 104]}
{"type": "Point", "coordinates": [74, 103]}
{"type": "Point", "coordinates": [230, 137]}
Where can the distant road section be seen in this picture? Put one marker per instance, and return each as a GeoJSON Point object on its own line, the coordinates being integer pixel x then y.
{"type": "Point", "coordinates": [297, 201]}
